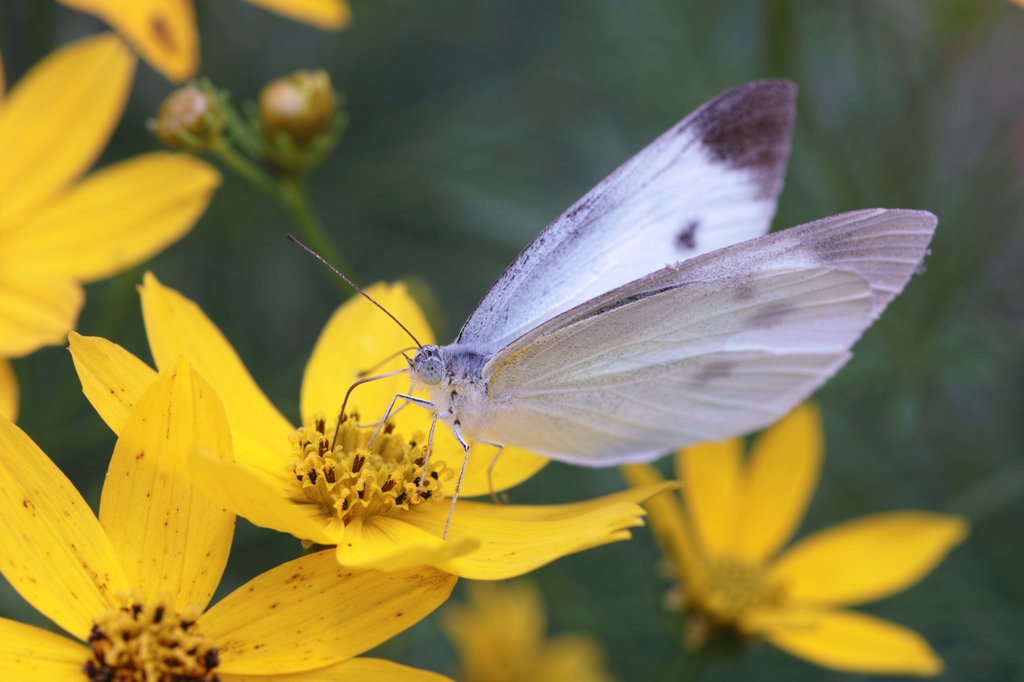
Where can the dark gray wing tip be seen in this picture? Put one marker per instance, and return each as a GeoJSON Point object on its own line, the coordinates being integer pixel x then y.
{"type": "Point", "coordinates": [751, 127]}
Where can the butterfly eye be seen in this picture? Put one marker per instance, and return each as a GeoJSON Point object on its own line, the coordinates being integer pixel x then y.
{"type": "Point", "coordinates": [430, 371]}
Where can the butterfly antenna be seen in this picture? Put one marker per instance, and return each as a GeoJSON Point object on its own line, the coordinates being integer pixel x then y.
{"type": "Point", "coordinates": [320, 258]}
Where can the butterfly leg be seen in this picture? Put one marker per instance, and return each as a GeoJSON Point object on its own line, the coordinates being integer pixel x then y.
{"type": "Point", "coordinates": [387, 413]}
{"type": "Point", "coordinates": [490, 468]}
{"type": "Point", "coordinates": [430, 446]}
{"type": "Point", "coordinates": [465, 446]}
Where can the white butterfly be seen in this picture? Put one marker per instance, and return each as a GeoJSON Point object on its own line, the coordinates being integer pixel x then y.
{"type": "Point", "coordinates": [656, 313]}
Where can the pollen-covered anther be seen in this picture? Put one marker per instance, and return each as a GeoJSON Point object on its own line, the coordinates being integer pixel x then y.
{"type": "Point", "coordinates": [149, 642]}
{"type": "Point", "coordinates": [356, 479]}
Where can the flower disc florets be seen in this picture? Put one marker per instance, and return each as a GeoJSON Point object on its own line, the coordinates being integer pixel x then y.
{"type": "Point", "coordinates": [357, 479]}
{"type": "Point", "coordinates": [149, 642]}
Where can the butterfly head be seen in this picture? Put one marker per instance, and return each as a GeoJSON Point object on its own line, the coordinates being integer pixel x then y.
{"type": "Point", "coordinates": [427, 365]}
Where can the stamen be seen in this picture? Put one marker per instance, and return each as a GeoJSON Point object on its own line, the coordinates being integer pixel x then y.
{"type": "Point", "coordinates": [732, 587]}
{"type": "Point", "coordinates": [354, 480]}
{"type": "Point", "coordinates": [148, 642]}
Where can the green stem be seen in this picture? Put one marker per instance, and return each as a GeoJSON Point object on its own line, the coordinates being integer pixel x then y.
{"type": "Point", "coordinates": [296, 199]}
{"type": "Point", "coordinates": [245, 168]}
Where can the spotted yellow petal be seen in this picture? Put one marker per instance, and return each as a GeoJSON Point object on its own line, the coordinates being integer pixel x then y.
{"type": "Point", "coordinates": [847, 640]}
{"type": "Point", "coordinates": [9, 393]}
{"type": "Point", "coordinates": [58, 118]}
{"type": "Point", "coordinates": [30, 654]}
{"type": "Point", "coordinates": [55, 555]}
{"type": "Point", "coordinates": [353, 670]}
{"type": "Point", "coordinates": [667, 521]}
{"type": "Point", "coordinates": [515, 540]}
{"type": "Point", "coordinates": [261, 500]}
{"type": "Point", "coordinates": [176, 326]}
{"type": "Point", "coordinates": [392, 544]}
{"type": "Point", "coordinates": [783, 472]}
{"type": "Point", "coordinates": [329, 14]}
{"type": "Point", "coordinates": [117, 217]}
{"type": "Point", "coordinates": [311, 612]}
{"type": "Point", "coordinates": [867, 558]}
{"type": "Point", "coordinates": [112, 378]}
{"type": "Point", "coordinates": [711, 474]}
{"type": "Point", "coordinates": [162, 31]}
{"type": "Point", "coordinates": [36, 308]}
{"type": "Point", "coordinates": [170, 537]}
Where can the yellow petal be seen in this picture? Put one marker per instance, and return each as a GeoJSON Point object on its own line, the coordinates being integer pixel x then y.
{"type": "Point", "coordinates": [572, 657]}
{"type": "Point", "coordinates": [176, 326]}
{"type": "Point", "coordinates": [162, 31]}
{"type": "Point", "coordinates": [311, 612]}
{"type": "Point", "coordinates": [261, 500]}
{"type": "Point", "coordinates": [9, 392]}
{"type": "Point", "coordinates": [498, 619]}
{"type": "Point", "coordinates": [391, 544]}
{"type": "Point", "coordinates": [847, 640]}
{"type": "Point", "coordinates": [357, 338]}
{"type": "Point", "coordinates": [353, 670]}
{"type": "Point", "coordinates": [36, 308]}
{"type": "Point", "coordinates": [517, 539]}
{"type": "Point", "coordinates": [58, 119]}
{"type": "Point", "coordinates": [170, 537]}
{"type": "Point", "coordinates": [30, 654]}
{"type": "Point", "coordinates": [55, 555]}
{"type": "Point", "coordinates": [711, 477]}
{"type": "Point", "coordinates": [782, 474]}
{"type": "Point", "coordinates": [329, 14]}
{"type": "Point", "coordinates": [514, 466]}
{"type": "Point", "coordinates": [112, 378]}
{"type": "Point", "coordinates": [667, 521]}
{"type": "Point", "coordinates": [867, 558]}
{"type": "Point", "coordinates": [117, 217]}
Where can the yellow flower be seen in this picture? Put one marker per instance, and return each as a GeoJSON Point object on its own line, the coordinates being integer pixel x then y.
{"type": "Point", "coordinates": [724, 544]}
{"type": "Point", "coordinates": [133, 584]}
{"type": "Point", "coordinates": [164, 31]}
{"type": "Point", "coordinates": [58, 229]}
{"type": "Point", "coordinates": [500, 637]}
{"type": "Point", "coordinates": [362, 501]}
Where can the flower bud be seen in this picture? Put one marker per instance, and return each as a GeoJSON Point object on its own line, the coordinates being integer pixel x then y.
{"type": "Point", "coordinates": [302, 105]}
{"type": "Point", "coordinates": [189, 119]}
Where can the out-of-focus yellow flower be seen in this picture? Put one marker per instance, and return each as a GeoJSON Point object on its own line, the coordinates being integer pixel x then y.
{"type": "Point", "coordinates": [362, 501]}
{"type": "Point", "coordinates": [501, 636]}
{"type": "Point", "coordinates": [58, 229]}
{"type": "Point", "coordinates": [164, 31]}
{"type": "Point", "coordinates": [132, 585]}
{"type": "Point", "coordinates": [723, 540]}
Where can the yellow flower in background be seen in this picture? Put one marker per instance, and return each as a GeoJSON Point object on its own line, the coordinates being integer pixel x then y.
{"type": "Point", "coordinates": [723, 540]}
{"type": "Point", "coordinates": [164, 31]}
{"type": "Point", "coordinates": [58, 229]}
{"type": "Point", "coordinates": [133, 584]}
{"type": "Point", "coordinates": [362, 501]}
{"type": "Point", "coordinates": [501, 636]}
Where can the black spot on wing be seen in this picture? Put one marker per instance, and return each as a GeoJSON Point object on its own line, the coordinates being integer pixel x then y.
{"type": "Point", "coordinates": [750, 127]}
{"type": "Point", "coordinates": [712, 371]}
{"type": "Point", "coordinates": [687, 237]}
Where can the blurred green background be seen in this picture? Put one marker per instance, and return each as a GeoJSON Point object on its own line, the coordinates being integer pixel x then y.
{"type": "Point", "coordinates": [474, 124]}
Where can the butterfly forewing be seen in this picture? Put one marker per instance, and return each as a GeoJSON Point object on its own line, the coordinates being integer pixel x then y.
{"type": "Point", "coordinates": [709, 182]}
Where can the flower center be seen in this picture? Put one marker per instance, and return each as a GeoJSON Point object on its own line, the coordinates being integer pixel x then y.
{"type": "Point", "coordinates": [733, 587]}
{"type": "Point", "coordinates": [355, 479]}
{"type": "Point", "coordinates": [141, 642]}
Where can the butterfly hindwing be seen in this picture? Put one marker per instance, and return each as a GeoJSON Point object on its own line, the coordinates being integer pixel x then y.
{"type": "Point", "coordinates": [720, 345]}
